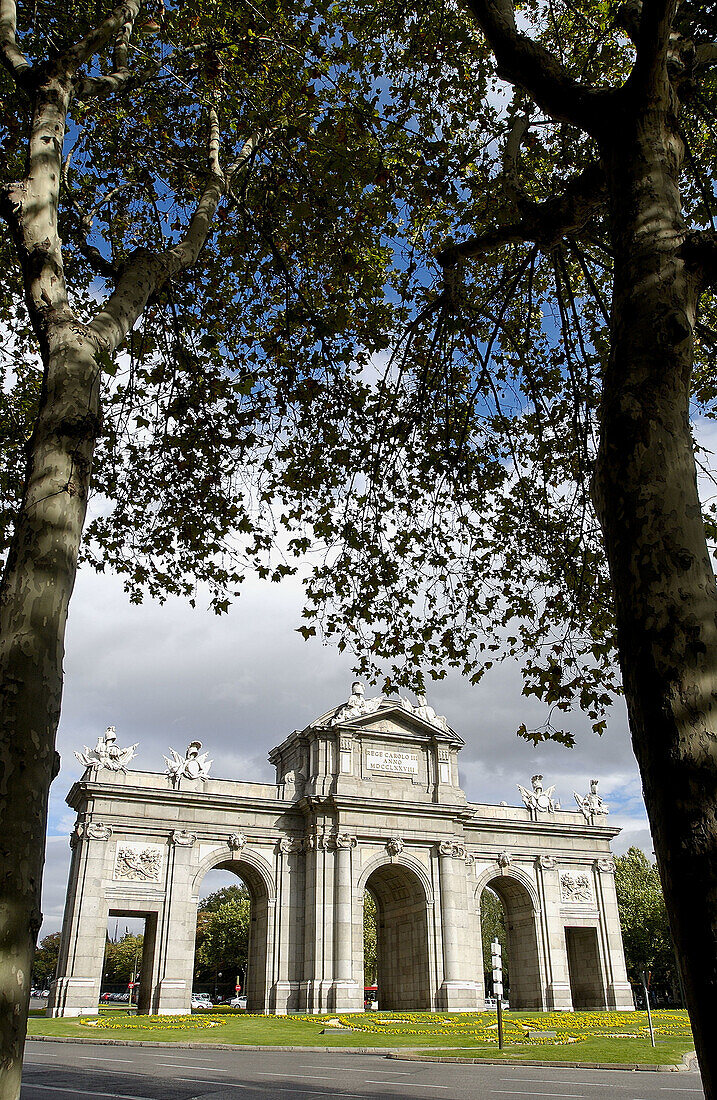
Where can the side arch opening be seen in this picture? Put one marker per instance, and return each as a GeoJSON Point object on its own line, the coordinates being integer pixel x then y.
{"type": "Point", "coordinates": [231, 946]}
{"type": "Point", "coordinates": [520, 937]}
{"type": "Point", "coordinates": [402, 957]}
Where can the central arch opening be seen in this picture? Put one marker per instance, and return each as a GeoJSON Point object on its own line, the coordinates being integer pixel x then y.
{"type": "Point", "coordinates": [232, 932]}
{"type": "Point", "coordinates": [519, 938]}
{"type": "Point", "coordinates": [402, 962]}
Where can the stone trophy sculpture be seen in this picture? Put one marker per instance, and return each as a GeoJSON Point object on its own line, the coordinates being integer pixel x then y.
{"type": "Point", "coordinates": [106, 753]}
{"type": "Point", "coordinates": [539, 800]}
{"type": "Point", "coordinates": [190, 766]}
{"type": "Point", "coordinates": [591, 804]}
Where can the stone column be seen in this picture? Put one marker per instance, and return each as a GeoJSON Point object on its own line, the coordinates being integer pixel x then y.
{"type": "Point", "coordinates": [342, 907]}
{"type": "Point", "coordinates": [346, 992]}
{"type": "Point", "coordinates": [459, 991]}
{"type": "Point", "coordinates": [177, 930]}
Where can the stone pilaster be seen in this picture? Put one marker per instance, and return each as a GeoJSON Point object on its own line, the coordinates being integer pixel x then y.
{"type": "Point", "coordinates": [618, 991]}
{"type": "Point", "coordinates": [557, 979]}
{"type": "Point", "coordinates": [76, 990]}
{"type": "Point", "coordinates": [459, 990]}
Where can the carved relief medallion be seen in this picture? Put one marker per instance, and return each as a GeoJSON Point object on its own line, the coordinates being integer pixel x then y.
{"type": "Point", "coordinates": [138, 863]}
{"type": "Point", "coordinates": [575, 887]}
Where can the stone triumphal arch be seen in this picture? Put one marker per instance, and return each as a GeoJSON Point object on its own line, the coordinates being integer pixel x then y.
{"type": "Point", "coordinates": [366, 798]}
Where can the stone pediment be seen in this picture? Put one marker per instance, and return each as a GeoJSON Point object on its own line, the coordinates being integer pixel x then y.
{"type": "Point", "coordinates": [397, 717]}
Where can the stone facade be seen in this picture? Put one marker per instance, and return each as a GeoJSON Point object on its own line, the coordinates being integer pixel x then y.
{"type": "Point", "coordinates": [366, 798]}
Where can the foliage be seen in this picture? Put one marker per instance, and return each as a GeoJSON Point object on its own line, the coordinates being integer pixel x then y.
{"type": "Point", "coordinates": [123, 959]}
{"type": "Point", "coordinates": [492, 926]}
{"type": "Point", "coordinates": [223, 921]}
{"type": "Point", "coordinates": [370, 961]}
{"type": "Point", "coordinates": [226, 895]}
{"type": "Point", "coordinates": [643, 919]}
{"type": "Point", "coordinates": [45, 961]}
{"type": "Point", "coordinates": [247, 368]}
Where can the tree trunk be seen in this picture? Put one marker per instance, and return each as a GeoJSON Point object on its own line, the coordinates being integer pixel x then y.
{"type": "Point", "coordinates": [34, 599]}
{"type": "Point", "coordinates": [40, 570]}
{"type": "Point", "coordinates": [646, 496]}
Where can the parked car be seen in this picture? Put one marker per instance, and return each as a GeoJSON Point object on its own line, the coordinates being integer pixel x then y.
{"type": "Point", "coordinates": [201, 1000]}
{"type": "Point", "coordinates": [237, 1002]}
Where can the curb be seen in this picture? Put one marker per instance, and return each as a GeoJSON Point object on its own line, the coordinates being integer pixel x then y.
{"type": "Point", "coordinates": [689, 1060]}
{"type": "Point", "coordinates": [210, 1046]}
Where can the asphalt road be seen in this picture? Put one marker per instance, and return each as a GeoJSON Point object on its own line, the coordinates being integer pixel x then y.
{"type": "Point", "coordinates": [65, 1071]}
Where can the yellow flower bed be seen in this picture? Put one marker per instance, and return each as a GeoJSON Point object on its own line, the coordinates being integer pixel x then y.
{"type": "Point", "coordinates": [150, 1023]}
{"type": "Point", "coordinates": [569, 1027]}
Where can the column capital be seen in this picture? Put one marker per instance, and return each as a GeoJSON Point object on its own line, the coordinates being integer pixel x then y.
{"type": "Point", "coordinates": [182, 839]}
{"type": "Point", "coordinates": [452, 849]}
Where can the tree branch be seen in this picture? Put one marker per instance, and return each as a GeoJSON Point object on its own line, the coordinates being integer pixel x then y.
{"type": "Point", "coordinates": [11, 55]}
{"type": "Point", "coordinates": [705, 55]}
{"type": "Point", "coordinates": [654, 41]}
{"type": "Point", "coordinates": [109, 29]}
{"type": "Point", "coordinates": [511, 154]}
{"type": "Point", "coordinates": [526, 64]}
{"type": "Point", "coordinates": [699, 251]}
{"type": "Point", "coordinates": [99, 263]}
{"type": "Point", "coordinates": [147, 272]}
{"type": "Point", "coordinates": [544, 223]}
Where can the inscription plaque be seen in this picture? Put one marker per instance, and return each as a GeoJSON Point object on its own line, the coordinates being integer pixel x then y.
{"type": "Point", "coordinates": [395, 762]}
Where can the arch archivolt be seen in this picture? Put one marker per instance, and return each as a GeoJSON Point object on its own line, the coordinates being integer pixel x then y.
{"type": "Point", "coordinates": [248, 865]}
{"type": "Point", "coordinates": [513, 875]}
{"type": "Point", "coordinates": [382, 859]}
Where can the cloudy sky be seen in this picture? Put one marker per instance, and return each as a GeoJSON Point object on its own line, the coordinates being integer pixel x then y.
{"type": "Point", "coordinates": [165, 675]}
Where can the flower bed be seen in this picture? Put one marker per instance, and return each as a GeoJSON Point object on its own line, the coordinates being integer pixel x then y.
{"type": "Point", "coordinates": [150, 1023]}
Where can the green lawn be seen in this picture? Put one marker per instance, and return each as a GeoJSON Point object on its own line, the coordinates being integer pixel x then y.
{"type": "Point", "coordinates": [579, 1036]}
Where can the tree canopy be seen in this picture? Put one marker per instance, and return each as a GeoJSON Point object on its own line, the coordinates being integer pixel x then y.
{"type": "Point", "coordinates": [223, 920]}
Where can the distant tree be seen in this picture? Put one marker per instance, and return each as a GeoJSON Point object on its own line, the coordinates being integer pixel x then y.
{"type": "Point", "coordinates": [123, 958]}
{"type": "Point", "coordinates": [492, 926]}
{"type": "Point", "coordinates": [370, 960]}
{"type": "Point", "coordinates": [643, 919]}
{"type": "Point", "coordinates": [45, 961]}
{"type": "Point", "coordinates": [212, 902]}
{"type": "Point", "coordinates": [222, 941]}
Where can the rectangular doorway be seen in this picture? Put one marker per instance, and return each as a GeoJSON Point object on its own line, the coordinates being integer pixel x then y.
{"type": "Point", "coordinates": [587, 987]}
{"type": "Point", "coordinates": [129, 960]}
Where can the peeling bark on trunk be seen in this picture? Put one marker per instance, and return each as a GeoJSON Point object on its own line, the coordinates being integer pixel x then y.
{"type": "Point", "coordinates": [665, 595]}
